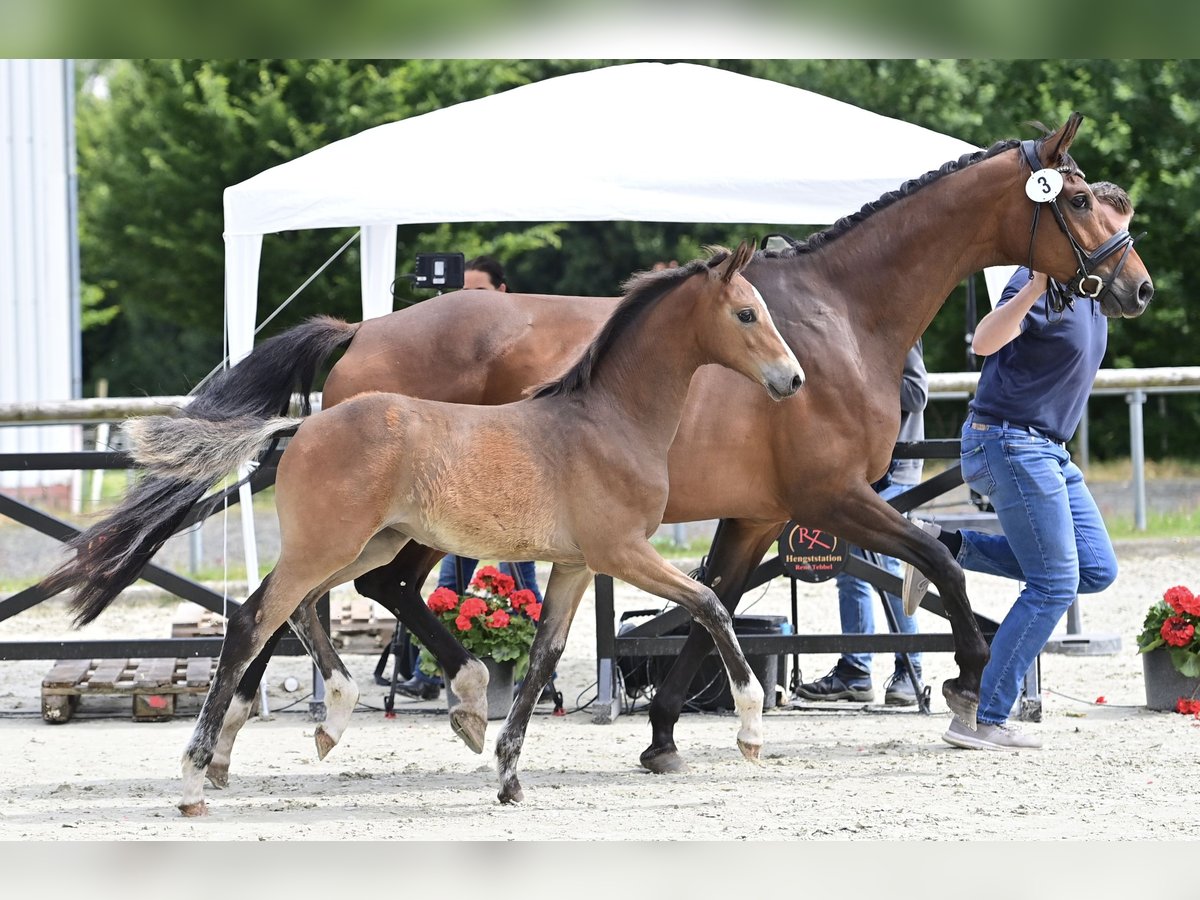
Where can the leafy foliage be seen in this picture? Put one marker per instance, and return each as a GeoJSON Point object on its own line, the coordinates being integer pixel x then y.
{"type": "Point", "coordinates": [1173, 623]}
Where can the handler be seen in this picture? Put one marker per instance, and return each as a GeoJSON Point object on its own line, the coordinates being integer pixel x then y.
{"type": "Point", "coordinates": [1032, 392]}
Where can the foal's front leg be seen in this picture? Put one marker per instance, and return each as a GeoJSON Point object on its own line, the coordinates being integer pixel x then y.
{"type": "Point", "coordinates": [736, 550]}
{"type": "Point", "coordinates": [642, 567]}
{"type": "Point", "coordinates": [564, 590]}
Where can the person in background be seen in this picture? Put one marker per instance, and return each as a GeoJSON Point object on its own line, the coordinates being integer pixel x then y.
{"type": "Point", "coordinates": [1033, 389]}
{"type": "Point", "coordinates": [850, 678]}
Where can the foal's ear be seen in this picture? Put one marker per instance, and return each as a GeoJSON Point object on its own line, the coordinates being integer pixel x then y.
{"type": "Point", "coordinates": [1053, 147]}
{"type": "Point", "coordinates": [736, 261]}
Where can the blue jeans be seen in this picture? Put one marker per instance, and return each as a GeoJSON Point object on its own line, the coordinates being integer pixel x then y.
{"type": "Point", "coordinates": [1054, 540]}
{"type": "Point", "coordinates": [526, 571]}
{"type": "Point", "coordinates": [856, 601]}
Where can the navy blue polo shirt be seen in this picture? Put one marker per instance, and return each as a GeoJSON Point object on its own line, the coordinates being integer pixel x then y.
{"type": "Point", "coordinates": [1042, 377]}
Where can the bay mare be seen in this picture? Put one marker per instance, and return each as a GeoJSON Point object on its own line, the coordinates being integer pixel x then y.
{"type": "Point", "coordinates": [521, 480]}
{"type": "Point", "coordinates": [850, 301]}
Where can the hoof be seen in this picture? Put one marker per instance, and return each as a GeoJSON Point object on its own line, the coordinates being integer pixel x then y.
{"type": "Point", "coordinates": [217, 775]}
{"type": "Point", "coordinates": [325, 742]}
{"type": "Point", "coordinates": [511, 792]}
{"type": "Point", "coordinates": [469, 727]}
{"type": "Point", "coordinates": [191, 810]}
{"type": "Point", "coordinates": [964, 704]}
{"type": "Point", "coordinates": [663, 761]}
{"type": "Point", "coordinates": [750, 751]}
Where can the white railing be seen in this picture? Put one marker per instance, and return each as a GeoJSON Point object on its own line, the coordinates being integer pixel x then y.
{"type": "Point", "coordinates": [1135, 384]}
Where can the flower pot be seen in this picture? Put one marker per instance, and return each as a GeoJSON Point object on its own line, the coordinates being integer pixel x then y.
{"type": "Point", "coordinates": [500, 688]}
{"type": "Point", "coordinates": [1164, 683]}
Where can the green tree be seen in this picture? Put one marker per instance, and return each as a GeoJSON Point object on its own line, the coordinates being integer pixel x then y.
{"type": "Point", "coordinates": [162, 140]}
{"type": "Point", "coordinates": [158, 149]}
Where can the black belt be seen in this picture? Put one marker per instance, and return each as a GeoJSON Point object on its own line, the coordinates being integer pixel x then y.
{"type": "Point", "coordinates": [1028, 429]}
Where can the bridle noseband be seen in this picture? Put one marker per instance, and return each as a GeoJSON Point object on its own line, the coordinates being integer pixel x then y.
{"type": "Point", "coordinates": [1085, 283]}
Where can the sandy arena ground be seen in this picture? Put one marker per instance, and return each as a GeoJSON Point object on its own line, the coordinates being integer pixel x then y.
{"type": "Point", "coordinates": [1114, 771]}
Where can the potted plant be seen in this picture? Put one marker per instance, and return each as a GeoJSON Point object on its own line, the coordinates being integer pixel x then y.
{"type": "Point", "coordinates": [1170, 648]}
{"type": "Point", "coordinates": [494, 621]}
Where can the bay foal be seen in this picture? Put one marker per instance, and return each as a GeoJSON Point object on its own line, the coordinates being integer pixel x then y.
{"type": "Point", "coordinates": [575, 475]}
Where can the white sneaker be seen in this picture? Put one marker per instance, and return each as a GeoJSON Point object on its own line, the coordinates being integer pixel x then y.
{"type": "Point", "coordinates": [989, 737]}
{"type": "Point", "coordinates": [916, 585]}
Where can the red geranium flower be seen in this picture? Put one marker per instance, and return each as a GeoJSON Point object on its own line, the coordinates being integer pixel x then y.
{"type": "Point", "coordinates": [503, 584]}
{"type": "Point", "coordinates": [443, 600]}
{"type": "Point", "coordinates": [534, 611]}
{"type": "Point", "coordinates": [1188, 707]}
{"type": "Point", "coordinates": [473, 606]}
{"type": "Point", "coordinates": [498, 619]}
{"type": "Point", "coordinates": [1180, 599]}
{"type": "Point", "coordinates": [521, 598]}
{"type": "Point", "coordinates": [463, 623]}
{"type": "Point", "coordinates": [483, 576]}
{"type": "Point", "coordinates": [1176, 632]}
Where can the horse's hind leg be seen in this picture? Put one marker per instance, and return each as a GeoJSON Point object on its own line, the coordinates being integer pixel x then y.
{"type": "Point", "coordinates": [564, 590]}
{"type": "Point", "coordinates": [638, 564]}
{"type": "Point", "coordinates": [737, 549]}
{"type": "Point", "coordinates": [238, 713]}
{"type": "Point", "coordinates": [397, 586]}
{"type": "Point", "coordinates": [869, 521]}
{"type": "Point", "coordinates": [341, 693]}
{"type": "Point", "coordinates": [249, 629]}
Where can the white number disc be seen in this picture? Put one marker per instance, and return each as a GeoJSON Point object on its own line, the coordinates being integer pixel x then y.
{"type": "Point", "coordinates": [1044, 185]}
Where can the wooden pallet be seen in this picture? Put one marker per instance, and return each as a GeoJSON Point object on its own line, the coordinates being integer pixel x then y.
{"type": "Point", "coordinates": [152, 684]}
{"type": "Point", "coordinates": [357, 625]}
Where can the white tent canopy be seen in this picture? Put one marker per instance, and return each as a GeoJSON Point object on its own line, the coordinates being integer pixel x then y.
{"type": "Point", "coordinates": [647, 142]}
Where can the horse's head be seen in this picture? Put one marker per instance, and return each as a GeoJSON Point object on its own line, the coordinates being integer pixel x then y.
{"type": "Point", "coordinates": [743, 335]}
{"type": "Point", "coordinates": [1079, 236]}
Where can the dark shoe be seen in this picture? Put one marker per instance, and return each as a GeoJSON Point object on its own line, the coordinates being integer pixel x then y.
{"type": "Point", "coordinates": [842, 683]}
{"type": "Point", "coordinates": [899, 690]}
{"type": "Point", "coordinates": [418, 689]}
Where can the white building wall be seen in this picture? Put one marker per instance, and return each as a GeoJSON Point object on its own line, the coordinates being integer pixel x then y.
{"type": "Point", "coordinates": [39, 313]}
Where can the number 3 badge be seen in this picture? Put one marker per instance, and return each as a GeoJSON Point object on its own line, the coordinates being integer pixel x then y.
{"type": "Point", "coordinates": [1044, 185]}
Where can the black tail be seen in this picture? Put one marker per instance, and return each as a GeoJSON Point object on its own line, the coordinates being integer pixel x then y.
{"type": "Point", "coordinates": [111, 554]}
{"type": "Point", "coordinates": [261, 385]}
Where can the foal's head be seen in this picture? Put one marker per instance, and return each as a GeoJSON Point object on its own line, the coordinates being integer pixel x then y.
{"type": "Point", "coordinates": [735, 328]}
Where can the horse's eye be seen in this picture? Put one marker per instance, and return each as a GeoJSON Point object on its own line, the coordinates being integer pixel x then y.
{"type": "Point", "coordinates": [747, 316]}
{"type": "Point", "coordinates": [1080, 201]}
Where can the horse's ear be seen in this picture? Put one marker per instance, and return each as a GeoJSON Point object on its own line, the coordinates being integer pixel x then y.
{"type": "Point", "coordinates": [1053, 147]}
{"type": "Point", "coordinates": [737, 260]}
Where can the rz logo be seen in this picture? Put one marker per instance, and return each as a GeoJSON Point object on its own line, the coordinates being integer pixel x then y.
{"type": "Point", "coordinates": [812, 538]}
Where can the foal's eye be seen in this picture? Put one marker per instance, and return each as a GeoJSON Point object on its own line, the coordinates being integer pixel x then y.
{"type": "Point", "coordinates": [747, 316]}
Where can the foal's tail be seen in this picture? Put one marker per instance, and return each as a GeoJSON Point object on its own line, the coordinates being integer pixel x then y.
{"type": "Point", "coordinates": [198, 450]}
{"type": "Point", "coordinates": [111, 554]}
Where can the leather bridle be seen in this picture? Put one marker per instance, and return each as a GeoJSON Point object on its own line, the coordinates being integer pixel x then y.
{"type": "Point", "coordinates": [1085, 283]}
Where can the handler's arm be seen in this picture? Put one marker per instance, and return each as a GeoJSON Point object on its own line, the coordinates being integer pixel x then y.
{"type": "Point", "coordinates": [1003, 324]}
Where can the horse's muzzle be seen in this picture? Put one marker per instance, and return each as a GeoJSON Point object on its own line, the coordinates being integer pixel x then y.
{"type": "Point", "coordinates": [1127, 304]}
{"type": "Point", "coordinates": [783, 383]}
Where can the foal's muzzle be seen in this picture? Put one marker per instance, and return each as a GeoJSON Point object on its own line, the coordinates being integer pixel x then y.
{"type": "Point", "coordinates": [783, 380]}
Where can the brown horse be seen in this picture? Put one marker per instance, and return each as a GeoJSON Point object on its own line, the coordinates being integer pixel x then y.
{"type": "Point", "coordinates": [850, 301]}
{"type": "Point", "coordinates": [576, 475]}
